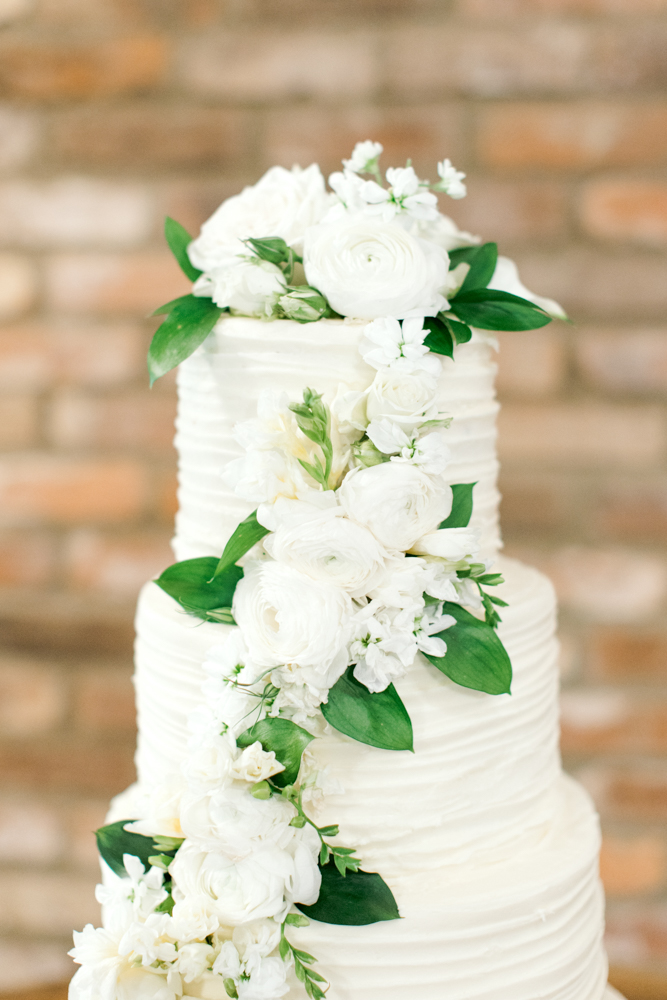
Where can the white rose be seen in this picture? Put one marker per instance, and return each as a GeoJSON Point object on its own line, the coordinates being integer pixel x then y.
{"type": "Point", "coordinates": [236, 823]}
{"type": "Point", "coordinates": [327, 546]}
{"type": "Point", "coordinates": [367, 268]}
{"type": "Point", "coordinates": [396, 500]}
{"type": "Point", "coordinates": [160, 808]}
{"type": "Point", "coordinates": [453, 544]}
{"type": "Point", "coordinates": [405, 399]}
{"type": "Point", "coordinates": [268, 981]}
{"type": "Point", "coordinates": [255, 764]}
{"type": "Point", "coordinates": [245, 285]}
{"type": "Point", "coordinates": [283, 203]}
{"type": "Point", "coordinates": [263, 476]}
{"type": "Point", "coordinates": [287, 617]}
{"type": "Point", "coordinates": [193, 959]}
{"type": "Point", "coordinates": [228, 962]}
{"type": "Point", "coordinates": [136, 983]}
{"type": "Point", "coordinates": [506, 279]}
{"type": "Point", "coordinates": [235, 891]}
{"type": "Point", "coordinates": [191, 920]}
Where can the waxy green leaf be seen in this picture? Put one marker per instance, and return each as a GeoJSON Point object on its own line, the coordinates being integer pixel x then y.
{"type": "Point", "coordinates": [475, 657]}
{"type": "Point", "coordinates": [245, 535]}
{"type": "Point", "coordinates": [439, 339]}
{"type": "Point", "coordinates": [188, 324]}
{"type": "Point", "coordinates": [286, 739]}
{"type": "Point", "coordinates": [354, 899]}
{"type": "Point", "coordinates": [179, 239]}
{"type": "Point", "coordinates": [189, 582]}
{"type": "Point", "coordinates": [380, 720]}
{"type": "Point", "coordinates": [459, 331]}
{"type": "Point", "coordinates": [113, 841]}
{"type": "Point", "coordinates": [461, 512]}
{"type": "Point", "coordinates": [271, 248]}
{"type": "Point", "coordinates": [482, 261]}
{"type": "Point", "coordinates": [488, 309]}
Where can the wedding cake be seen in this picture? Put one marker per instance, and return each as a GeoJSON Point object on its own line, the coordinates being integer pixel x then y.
{"type": "Point", "coordinates": [348, 770]}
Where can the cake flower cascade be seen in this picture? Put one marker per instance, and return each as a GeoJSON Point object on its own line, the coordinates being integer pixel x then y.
{"type": "Point", "coordinates": [357, 564]}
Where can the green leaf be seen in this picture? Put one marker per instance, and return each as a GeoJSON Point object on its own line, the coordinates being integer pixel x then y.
{"type": "Point", "coordinates": [188, 324]}
{"type": "Point", "coordinates": [230, 988]}
{"type": "Point", "coordinates": [459, 331]}
{"type": "Point", "coordinates": [488, 309]}
{"type": "Point", "coordinates": [461, 512]}
{"type": "Point", "coordinates": [189, 582]}
{"type": "Point", "coordinates": [358, 898]}
{"type": "Point", "coordinates": [296, 920]}
{"type": "Point", "coordinates": [113, 841]}
{"type": "Point", "coordinates": [439, 340]}
{"type": "Point", "coordinates": [475, 657]}
{"type": "Point", "coordinates": [271, 248]}
{"type": "Point", "coordinates": [246, 534]}
{"type": "Point", "coordinates": [166, 906]}
{"type": "Point", "coordinates": [284, 948]}
{"type": "Point", "coordinates": [380, 720]}
{"type": "Point", "coordinates": [482, 262]}
{"type": "Point", "coordinates": [179, 239]}
{"type": "Point", "coordinates": [168, 306]}
{"type": "Point", "coordinates": [286, 739]}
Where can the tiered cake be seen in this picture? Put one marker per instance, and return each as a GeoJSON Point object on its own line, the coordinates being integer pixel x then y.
{"type": "Point", "coordinates": [250, 885]}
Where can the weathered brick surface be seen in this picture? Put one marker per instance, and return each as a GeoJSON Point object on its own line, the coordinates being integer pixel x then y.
{"type": "Point", "coordinates": [114, 113]}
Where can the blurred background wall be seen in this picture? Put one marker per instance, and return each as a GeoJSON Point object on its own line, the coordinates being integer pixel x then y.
{"type": "Point", "coordinates": [114, 113]}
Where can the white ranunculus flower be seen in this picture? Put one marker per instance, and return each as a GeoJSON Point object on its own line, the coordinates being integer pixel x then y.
{"type": "Point", "coordinates": [160, 808]}
{"type": "Point", "coordinates": [228, 961]}
{"type": "Point", "coordinates": [263, 476]}
{"type": "Point", "coordinates": [245, 285]}
{"type": "Point", "coordinates": [405, 399]}
{"type": "Point", "coordinates": [367, 268]}
{"type": "Point", "coordinates": [445, 233]}
{"type": "Point", "coordinates": [386, 343]}
{"type": "Point", "coordinates": [235, 823]}
{"type": "Point", "coordinates": [137, 983]}
{"type": "Point", "coordinates": [283, 203]}
{"type": "Point", "coordinates": [287, 617]}
{"type": "Point", "coordinates": [397, 501]}
{"type": "Point", "coordinates": [209, 765]}
{"type": "Point", "coordinates": [327, 546]}
{"type": "Point", "coordinates": [193, 959]}
{"type": "Point", "coordinates": [191, 920]}
{"type": "Point", "coordinates": [506, 279]}
{"type": "Point", "coordinates": [268, 981]}
{"type": "Point", "coordinates": [256, 764]}
{"type": "Point", "coordinates": [452, 544]}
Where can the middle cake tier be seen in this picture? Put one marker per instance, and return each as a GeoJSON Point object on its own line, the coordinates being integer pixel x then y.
{"type": "Point", "coordinates": [484, 769]}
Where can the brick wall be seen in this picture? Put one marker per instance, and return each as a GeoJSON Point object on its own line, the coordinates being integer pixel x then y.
{"type": "Point", "coordinates": [114, 113]}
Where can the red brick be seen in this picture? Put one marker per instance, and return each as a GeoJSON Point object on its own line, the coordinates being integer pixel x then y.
{"type": "Point", "coordinates": [634, 511]}
{"type": "Point", "coordinates": [425, 133]}
{"type": "Point", "coordinates": [344, 11]}
{"type": "Point", "coordinates": [102, 13]}
{"type": "Point", "coordinates": [18, 421]}
{"type": "Point", "coordinates": [26, 557]}
{"type": "Point", "coordinates": [531, 362]}
{"type": "Point", "coordinates": [625, 210]}
{"type": "Point", "coordinates": [52, 70]}
{"type": "Point", "coordinates": [147, 135]}
{"type": "Point", "coordinates": [47, 903]}
{"type": "Point", "coordinates": [30, 831]}
{"type": "Point", "coordinates": [43, 487]}
{"type": "Point", "coordinates": [433, 59]}
{"type": "Point", "coordinates": [261, 65]}
{"type": "Point", "coordinates": [19, 137]}
{"type": "Point", "coordinates": [18, 286]}
{"type": "Point", "coordinates": [612, 721]}
{"type": "Point", "coordinates": [116, 565]}
{"type": "Point", "coordinates": [47, 622]}
{"type": "Point", "coordinates": [637, 934]}
{"type": "Point", "coordinates": [605, 584]}
{"type": "Point", "coordinates": [139, 421]}
{"type": "Point", "coordinates": [507, 211]}
{"type": "Point", "coordinates": [581, 433]}
{"type": "Point", "coordinates": [74, 211]}
{"type": "Point", "coordinates": [37, 354]}
{"type": "Point", "coordinates": [621, 654]}
{"type": "Point", "coordinates": [632, 865]}
{"type": "Point", "coordinates": [105, 699]}
{"type": "Point", "coordinates": [167, 499]}
{"type": "Point", "coordinates": [32, 698]}
{"type": "Point", "coordinates": [109, 283]}
{"type": "Point", "coordinates": [192, 202]}
{"type": "Point", "coordinates": [581, 136]}
{"type": "Point", "coordinates": [533, 503]}
{"type": "Point", "coordinates": [35, 964]}
{"type": "Point", "coordinates": [76, 765]}
{"type": "Point", "coordinates": [501, 9]}
{"type": "Point", "coordinates": [635, 793]}
{"type": "Point", "coordinates": [623, 360]}
{"type": "Point", "coordinates": [83, 818]}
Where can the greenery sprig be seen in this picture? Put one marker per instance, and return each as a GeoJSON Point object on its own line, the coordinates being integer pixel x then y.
{"type": "Point", "coordinates": [302, 960]}
{"type": "Point", "coordinates": [477, 573]}
{"type": "Point", "coordinates": [314, 421]}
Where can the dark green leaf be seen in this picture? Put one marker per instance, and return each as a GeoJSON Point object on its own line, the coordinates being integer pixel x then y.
{"type": "Point", "coordinates": [271, 248]}
{"type": "Point", "coordinates": [475, 657]}
{"type": "Point", "coordinates": [168, 306]}
{"type": "Point", "coordinates": [482, 262]}
{"type": "Point", "coordinates": [439, 340]}
{"type": "Point", "coordinates": [286, 739]}
{"type": "Point", "coordinates": [380, 720]}
{"type": "Point", "coordinates": [461, 512]}
{"type": "Point", "coordinates": [245, 535]}
{"type": "Point", "coordinates": [497, 600]}
{"type": "Point", "coordinates": [188, 324]}
{"type": "Point", "coordinates": [488, 309]}
{"type": "Point", "coordinates": [358, 898]}
{"type": "Point", "coordinates": [459, 331]}
{"type": "Point", "coordinates": [179, 239]}
{"type": "Point", "coordinates": [189, 582]}
{"type": "Point", "coordinates": [113, 841]}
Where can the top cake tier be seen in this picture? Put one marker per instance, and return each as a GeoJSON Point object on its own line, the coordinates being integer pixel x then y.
{"type": "Point", "coordinates": [220, 383]}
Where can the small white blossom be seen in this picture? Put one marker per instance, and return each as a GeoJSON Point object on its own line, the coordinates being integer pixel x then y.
{"type": "Point", "coordinates": [451, 180]}
{"type": "Point", "coordinates": [386, 343]}
{"type": "Point", "coordinates": [145, 942]}
{"type": "Point", "coordinates": [382, 650]}
{"type": "Point", "coordinates": [256, 764]}
{"type": "Point", "coordinates": [426, 626]}
{"type": "Point", "coordinates": [228, 962]}
{"type": "Point", "coordinates": [364, 157]}
{"type": "Point", "coordinates": [268, 981]}
{"type": "Point", "coordinates": [193, 960]}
